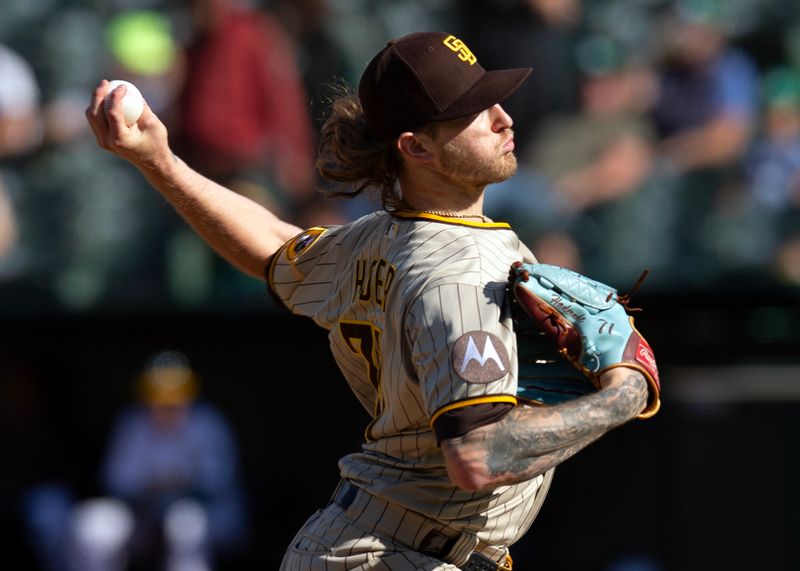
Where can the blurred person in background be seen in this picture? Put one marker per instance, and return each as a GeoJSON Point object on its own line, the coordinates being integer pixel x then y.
{"type": "Point", "coordinates": [171, 498]}
{"type": "Point", "coordinates": [597, 170]}
{"type": "Point", "coordinates": [773, 176]}
{"type": "Point", "coordinates": [707, 103]}
{"type": "Point", "coordinates": [603, 165]}
{"type": "Point", "coordinates": [243, 110]}
{"type": "Point", "coordinates": [244, 120]}
{"type": "Point", "coordinates": [20, 110]}
{"type": "Point", "coordinates": [173, 460]}
{"type": "Point", "coordinates": [605, 150]}
{"type": "Point", "coordinates": [73, 259]}
{"type": "Point", "coordinates": [705, 111]}
{"type": "Point", "coordinates": [773, 163]}
{"type": "Point", "coordinates": [20, 135]}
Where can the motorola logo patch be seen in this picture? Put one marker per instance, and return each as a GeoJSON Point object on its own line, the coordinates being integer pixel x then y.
{"type": "Point", "coordinates": [480, 357]}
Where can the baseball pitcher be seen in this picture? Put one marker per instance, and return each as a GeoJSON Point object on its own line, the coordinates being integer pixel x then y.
{"type": "Point", "coordinates": [424, 302]}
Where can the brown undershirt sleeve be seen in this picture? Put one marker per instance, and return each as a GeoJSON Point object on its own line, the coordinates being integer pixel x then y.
{"type": "Point", "coordinates": [458, 422]}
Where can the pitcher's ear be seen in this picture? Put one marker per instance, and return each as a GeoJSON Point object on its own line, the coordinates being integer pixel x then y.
{"type": "Point", "coordinates": [414, 146]}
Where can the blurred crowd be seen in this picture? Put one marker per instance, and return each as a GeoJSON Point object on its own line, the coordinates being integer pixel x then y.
{"type": "Point", "coordinates": [661, 134]}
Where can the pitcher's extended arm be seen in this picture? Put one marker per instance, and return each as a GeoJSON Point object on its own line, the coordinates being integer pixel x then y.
{"type": "Point", "coordinates": [240, 230]}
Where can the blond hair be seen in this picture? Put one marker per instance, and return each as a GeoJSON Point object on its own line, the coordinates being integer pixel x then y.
{"type": "Point", "coordinates": [348, 154]}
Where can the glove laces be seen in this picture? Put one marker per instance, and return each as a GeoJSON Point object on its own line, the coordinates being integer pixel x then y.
{"type": "Point", "coordinates": [625, 298]}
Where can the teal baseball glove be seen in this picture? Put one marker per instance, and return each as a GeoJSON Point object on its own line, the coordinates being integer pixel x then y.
{"type": "Point", "coordinates": [588, 323]}
{"type": "Point", "coordinates": [545, 377]}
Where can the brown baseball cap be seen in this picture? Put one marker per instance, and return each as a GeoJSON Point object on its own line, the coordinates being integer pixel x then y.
{"type": "Point", "coordinates": [429, 76]}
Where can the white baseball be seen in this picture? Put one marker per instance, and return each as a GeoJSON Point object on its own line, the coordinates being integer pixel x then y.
{"type": "Point", "coordinates": [132, 103]}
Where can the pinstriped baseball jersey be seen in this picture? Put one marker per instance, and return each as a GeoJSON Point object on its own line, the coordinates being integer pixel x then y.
{"type": "Point", "coordinates": [415, 307]}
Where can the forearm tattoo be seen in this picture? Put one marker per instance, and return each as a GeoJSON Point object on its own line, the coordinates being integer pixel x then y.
{"type": "Point", "coordinates": [530, 440]}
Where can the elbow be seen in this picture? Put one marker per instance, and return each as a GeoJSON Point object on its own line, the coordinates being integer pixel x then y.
{"type": "Point", "coordinates": [469, 481]}
{"type": "Point", "coordinates": [466, 467]}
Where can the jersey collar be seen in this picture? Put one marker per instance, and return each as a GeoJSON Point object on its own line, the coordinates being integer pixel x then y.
{"type": "Point", "coordinates": [414, 215]}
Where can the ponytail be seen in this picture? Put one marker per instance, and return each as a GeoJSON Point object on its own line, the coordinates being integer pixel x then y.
{"type": "Point", "coordinates": [348, 154]}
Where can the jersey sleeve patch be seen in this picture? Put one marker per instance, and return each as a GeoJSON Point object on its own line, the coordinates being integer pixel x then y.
{"type": "Point", "coordinates": [480, 357]}
{"type": "Point", "coordinates": [302, 242]}
{"type": "Point", "coordinates": [295, 264]}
